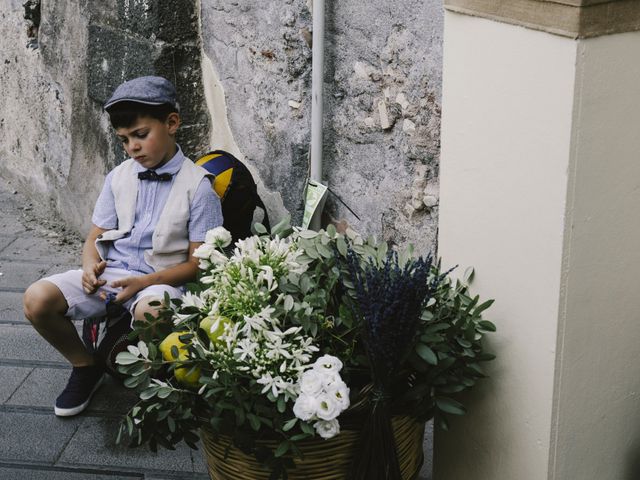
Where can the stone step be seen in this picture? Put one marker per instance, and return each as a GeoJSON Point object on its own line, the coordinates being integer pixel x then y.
{"type": "Point", "coordinates": [39, 388]}
{"type": "Point", "coordinates": [20, 342]}
{"type": "Point", "coordinates": [86, 443]}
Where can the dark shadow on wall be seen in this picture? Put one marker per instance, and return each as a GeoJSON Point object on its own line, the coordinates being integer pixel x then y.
{"type": "Point", "coordinates": [131, 39]}
{"type": "Point", "coordinates": [633, 461]}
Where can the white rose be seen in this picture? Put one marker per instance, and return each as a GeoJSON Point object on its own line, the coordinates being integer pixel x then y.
{"type": "Point", "coordinates": [328, 407]}
{"type": "Point", "coordinates": [305, 407]}
{"type": "Point", "coordinates": [340, 392]}
{"type": "Point", "coordinates": [327, 429]}
{"type": "Point", "coordinates": [311, 383]}
{"type": "Point", "coordinates": [329, 379]}
{"type": "Point", "coordinates": [219, 236]}
{"type": "Point", "coordinates": [328, 364]}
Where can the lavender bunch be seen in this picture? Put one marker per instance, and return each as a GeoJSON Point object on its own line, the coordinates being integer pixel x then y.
{"type": "Point", "coordinates": [390, 299]}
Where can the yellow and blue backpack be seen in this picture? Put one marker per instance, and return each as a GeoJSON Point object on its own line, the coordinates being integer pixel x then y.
{"type": "Point", "coordinates": [237, 191]}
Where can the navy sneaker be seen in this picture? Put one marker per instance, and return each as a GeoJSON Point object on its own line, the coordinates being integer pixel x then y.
{"type": "Point", "coordinates": [83, 383]}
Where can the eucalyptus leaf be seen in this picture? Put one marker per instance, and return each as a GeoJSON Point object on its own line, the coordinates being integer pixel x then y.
{"type": "Point", "coordinates": [426, 354]}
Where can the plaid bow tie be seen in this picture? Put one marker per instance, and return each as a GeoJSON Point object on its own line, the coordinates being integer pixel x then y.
{"type": "Point", "coordinates": [151, 175]}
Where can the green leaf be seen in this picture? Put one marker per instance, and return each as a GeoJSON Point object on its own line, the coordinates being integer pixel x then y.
{"type": "Point", "coordinates": [254, 421]}
{"type": "Point", "coordinates": [148, 393]}
{"type": "Point", "coordinates": [449, 405]}
{"type": "Point", "coordinates": [487, 325]}
{"type": "Point", "coordinates": [281, 405]}
{"type": "Point", "coordinates": [289, 424]}
{"type": "Point", "coordinates": [259, 228]}
{"type": "Point", "coordinates": [331, 230]}
{"type": "Point", "coordinates": [426, 354]}
{"type": "Point", "coordinates": [341, 244]}
{"type": "Point", "coordinates": [308, 234]}
{"type": "Point", "coordinates": [282, 449]}
{"type": "Point", "coordinates": [126, 358]}
{"type": "Point", "coordinates": [482, 307]}
{"type": "Point", "coordinates": [324, 251]}
{"type": "Point", "coordinates": [171, 423]}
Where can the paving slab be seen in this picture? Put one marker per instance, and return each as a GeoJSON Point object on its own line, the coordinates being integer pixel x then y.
{"type": "Point", "coordinates": [22, 342]}
{"type": "Point", "coordinates": [5, 241]}
{"type": "Point", "coordinates": [60, 268]}
{"type": "Point", "coordinates": [34, 437]}
{"type": "Point", "coordinates": [43, 385]}
{"type": "Point", "coordinates": [32, 248]}
{"type": "Point", "coordinates": [10, 223]}
{"type": "Point", "coordinates": [11, 307]}
{"type": "Point", "coordinates": [19, 275]}
{"type": "Point", "coordinates": [10, 379]}
{"type": "Point", "coordinates": [29, 473]}
{"type": "Point", "coordinates": [94, 444]}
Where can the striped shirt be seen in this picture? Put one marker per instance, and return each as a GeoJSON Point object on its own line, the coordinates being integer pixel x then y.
{"type": "Point", "coordinates": [128, 252]}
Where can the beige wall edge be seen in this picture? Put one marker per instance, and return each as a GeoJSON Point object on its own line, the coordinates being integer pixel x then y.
{"type": "Point", "coordinates": [568, 18]}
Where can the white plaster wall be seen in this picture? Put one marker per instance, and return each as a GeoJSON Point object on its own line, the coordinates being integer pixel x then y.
{"type": "Point", "coordinates": [597, 405]}
{"type": "Point", "coordinates": [506, 129]}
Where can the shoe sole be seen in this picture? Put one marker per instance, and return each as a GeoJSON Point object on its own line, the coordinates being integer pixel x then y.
{"type": "Point", "coordinates": [69, 412]}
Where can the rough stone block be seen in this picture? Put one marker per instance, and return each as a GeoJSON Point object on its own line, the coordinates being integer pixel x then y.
{"type": "Point", "coordinates": [19, 275]}
{"type": "Point", "coordinates": [114, 57]}
{"type": "Point", "coordinates": [44, 384]}
{"type": "Point", "coordinates": [29, 436]}
{"type": "Point", "coordinates": [172, 22]}
{"type": "Point", "coordinates": [94, 444]}
{"type": "Point", "coordinates": [10, 380]}
{"type": "Point", "coordinates": [22, 342]}
{"type": "Point", "coordinates": [11, 307]}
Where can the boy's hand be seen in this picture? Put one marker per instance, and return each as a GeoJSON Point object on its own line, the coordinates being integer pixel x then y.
{"type": "Point", "coordinates": [90, 282]}
{"type": "Point", "coordinates": [130, 286]}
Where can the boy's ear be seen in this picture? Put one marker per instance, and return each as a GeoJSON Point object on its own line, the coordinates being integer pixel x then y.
{"type": "Point", "coordinates": [173, 122]}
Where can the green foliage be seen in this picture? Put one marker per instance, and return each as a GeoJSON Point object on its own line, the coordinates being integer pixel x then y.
{"type": "Point", "coordinates": [445, 358]}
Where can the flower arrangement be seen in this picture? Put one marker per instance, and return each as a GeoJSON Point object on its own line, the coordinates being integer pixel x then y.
{"type": "Point", "coordinates": [284, 335]}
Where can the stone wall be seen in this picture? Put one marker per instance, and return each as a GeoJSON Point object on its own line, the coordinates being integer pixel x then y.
{"type": "Point", "coordinates": [382, 99]}
{"type": "Point", "coordinates": [59, 62]}
{"type": "Point", "coordinates": [382, 105]}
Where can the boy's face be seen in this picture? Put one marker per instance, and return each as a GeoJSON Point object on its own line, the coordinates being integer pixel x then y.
{"type": "Point", "coordinates": [149, 141]}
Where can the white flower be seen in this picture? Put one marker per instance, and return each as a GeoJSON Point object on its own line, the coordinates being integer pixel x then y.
{"type": "Point", "coordinates": [311, 382]}
{"type": "Point", "coordinates": [191, 300]}
{"type": "Point", "coordinates": [327, 429]}
{"type": "Point", "coordinates": [305, 407]}
{"type": "Point", "coordinates": [328, 407]}
{"type": "Point", "coordinates": [340, 392]}
{"type": "Point", "coordinates": [328, 364]}
{"type": "Point", "coordinates": [204, 251]}
{"type": "Point", "coordinates": [219, 237]}
{"type": "Point", "coordinates": [218, 258]}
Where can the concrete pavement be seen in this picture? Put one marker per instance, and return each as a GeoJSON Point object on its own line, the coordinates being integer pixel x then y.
{"type": "Point", "coordinates": [34, 443]}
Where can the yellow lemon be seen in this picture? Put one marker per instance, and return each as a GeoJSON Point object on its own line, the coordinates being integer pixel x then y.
{"type": "Point", "coordinates": [209, 322]}
{"type": "Point", "coordinates": [171, 340]}
{"type": "Point", "coordinates": [181, 373]}
{"type": "Point", "coordinates": [183, 376]}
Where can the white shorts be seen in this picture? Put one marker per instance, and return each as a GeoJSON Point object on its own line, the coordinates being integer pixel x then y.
{"type": "Point", "coordinates": [82, 305]}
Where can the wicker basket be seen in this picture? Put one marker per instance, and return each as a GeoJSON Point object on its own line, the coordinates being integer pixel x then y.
{"type": "Point", "coordinates": [323, 459]}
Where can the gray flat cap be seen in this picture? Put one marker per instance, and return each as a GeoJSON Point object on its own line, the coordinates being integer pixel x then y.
{"type": "Point", "coordinates": [147, 90]}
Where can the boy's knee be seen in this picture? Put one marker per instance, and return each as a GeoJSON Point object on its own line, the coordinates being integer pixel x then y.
{"type": "Point", "coordinates": [143, 308]}
{"type": "Point", "coordinates": [42, 299]}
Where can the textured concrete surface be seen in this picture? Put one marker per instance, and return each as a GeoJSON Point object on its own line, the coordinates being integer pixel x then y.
{"type": "Point", "coordinates": [382, 105]}
{"type": "Point", "coordinates": [34, 443]}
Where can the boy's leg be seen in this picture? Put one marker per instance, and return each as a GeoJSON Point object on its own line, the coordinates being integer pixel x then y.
{"type": "Point", "coordinates": [155, 293]}
{"type": "Point", "coordinates": [45, 307]}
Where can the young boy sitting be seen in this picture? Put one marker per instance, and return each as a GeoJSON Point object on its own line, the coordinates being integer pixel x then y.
{"type": "Point", "coordinates": [153, 212]}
